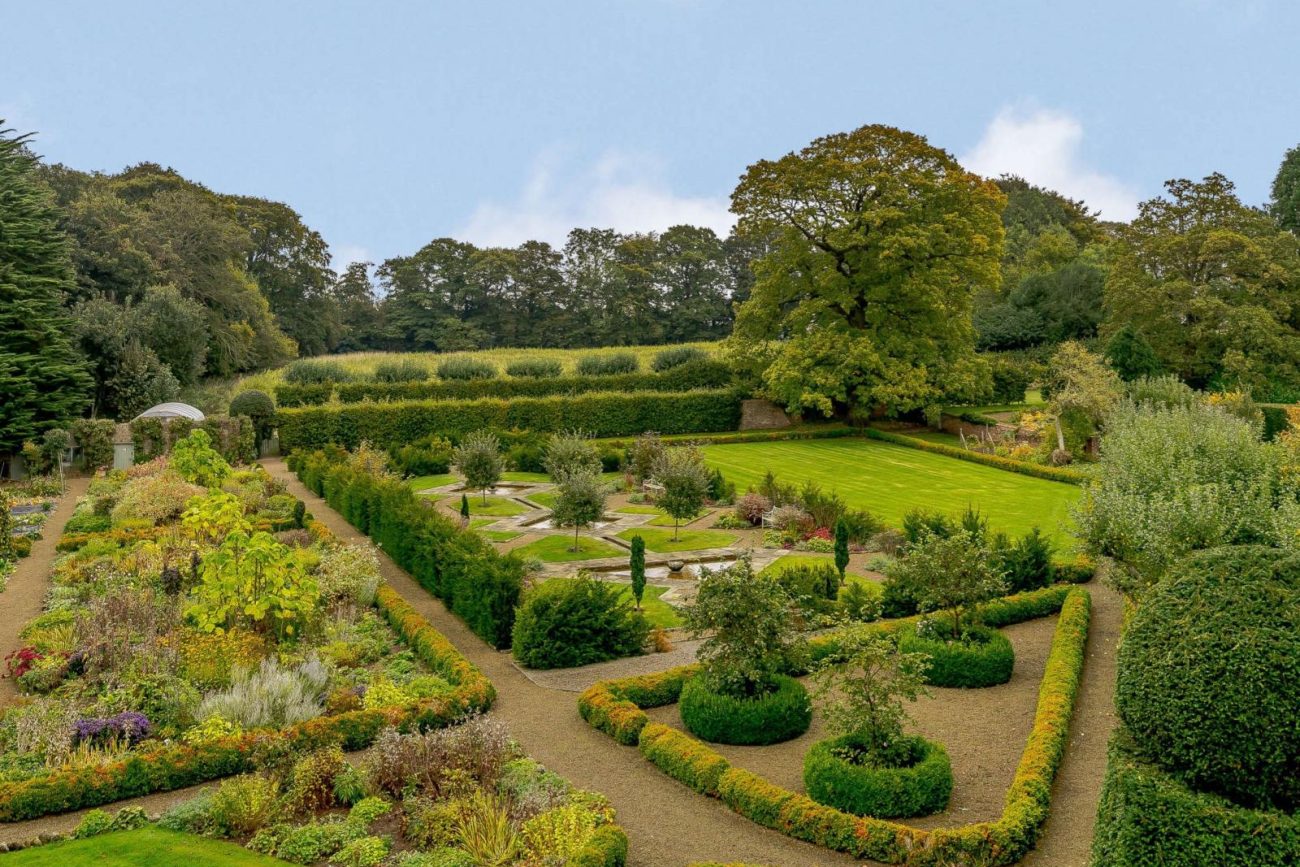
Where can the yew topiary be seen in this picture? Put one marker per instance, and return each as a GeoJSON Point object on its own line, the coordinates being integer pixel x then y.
{"type": "Point", "coordinates": [1209, 678]}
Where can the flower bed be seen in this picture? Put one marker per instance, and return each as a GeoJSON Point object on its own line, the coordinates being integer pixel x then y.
{"type": "Point", "coordinates": [616, 707]}
{"type": "Point", "coordinates": [208, 645]}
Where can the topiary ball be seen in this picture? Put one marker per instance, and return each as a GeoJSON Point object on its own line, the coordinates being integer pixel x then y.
{"type": "Point", "coordinates": [779, 715]}
{"type": "Point", "coordinates": [1209, 675]}
{"type": "Point", "coordinates": [259, 407]}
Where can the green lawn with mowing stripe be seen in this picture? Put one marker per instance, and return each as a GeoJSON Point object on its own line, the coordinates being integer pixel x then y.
{"type": "Point", "coordinates": [559, 549]}
{"type": "Point", "coordinates": [144, 847]}
{"type": "Point", "coordinates": [662, 541]}
{"type": "Point", "coordinates": [889, 481]}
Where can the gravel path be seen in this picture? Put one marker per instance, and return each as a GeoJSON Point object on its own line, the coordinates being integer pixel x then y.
{"type": "Point", "coordinates": [24, 595]}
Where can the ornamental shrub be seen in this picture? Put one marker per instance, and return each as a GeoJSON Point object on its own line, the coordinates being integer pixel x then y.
{"type": "Point", "coordinates": [154, 499]}
{"type": "Point", "coordinates": [308, 371]}
{"type": "Point", "coordinates": [270, 696]}
{"type": "Point", "coordinates": [534, 368]}
{"type": "Point", "coordinates": [465, 368]}
{"type": "Point", "coordinates": [259, 407]}
{"type": "Point", "coordinates": [763, 717]}
{"type": "Point", "coordinates": [1025, 563]}
{"type": "Point", "coordinates": [919, 784]}
{"type": "Point", "coordinates": [608, 364]}
{"type": "Point", "coordinates": [242, 805]}
{"type": "Point", "coordinates": [980, 657]}
{"type": "Point", "coordinates": [405, 370]}
{"type": "Point", "coordinates": [198, 462]}
{"type": "Point", "coordinates": [676, 356]}
{"type": "Point", "coordinates": [429, 456]}
{"type": "Point", "coordinates": [565, 623]}
{"type": "Point", "coordinates": [1209, 675]}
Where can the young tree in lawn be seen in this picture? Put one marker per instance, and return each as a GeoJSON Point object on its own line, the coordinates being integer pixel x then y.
{"type": "Point", "coordinates": [636, 565]}
{"type": "Point", "coordinates": [862, 687]}
{"type": "Point", "coordinates": [841, 547]}
{"type": "Point", "coordinates": [645, 456]}
{"type": "Point", "coordinates": [580, 501]}
{"type": "Point", "coordinates": [478, 459]}
{"type": "Point", "coordinates": [952, 574]}
{"type": "Point", "coordinates": [570, 452]}
{"type": "Point", "coordinates": [685, 479]}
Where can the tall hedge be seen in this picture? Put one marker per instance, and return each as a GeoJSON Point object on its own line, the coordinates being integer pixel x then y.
{"type": "Point", "coordinates": [234, 436]}
{"type": "Point", "coordinates": [478, 584]}
{"type": "Point", "coordinates": [704, 373]}
{"type": "Point", "coordinates": [601, 414]}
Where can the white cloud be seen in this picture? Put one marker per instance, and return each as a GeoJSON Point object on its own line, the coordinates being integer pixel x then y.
{"type": "Point", "coordinates": [621, 191]}
{"type": "Point", "coordinates": [1042, 146]}
{"type": "Point", "coordinates": [344, 255]}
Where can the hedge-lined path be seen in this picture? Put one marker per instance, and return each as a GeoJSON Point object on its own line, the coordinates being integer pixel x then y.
{"type": "Point", "coordinates": [668, 825]}
{"type": "Point", "coordinates": [1067, 835]}
{"type": "Point", "coordinates": [24, 595]}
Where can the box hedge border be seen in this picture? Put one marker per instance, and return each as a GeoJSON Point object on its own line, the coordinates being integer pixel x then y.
{"type": "Point", "coordinates": [1051, 474]}
{"type": "Point", "coordinates": [177, 765]}
{"type": "Point", "coordinates": [704, 373]}
{"type": "Point", "coordinates": [477, 583]}
{"type": "Point", "coordinates": [612, 706]}
{"type": "Point", "coordinates": [600, 414]}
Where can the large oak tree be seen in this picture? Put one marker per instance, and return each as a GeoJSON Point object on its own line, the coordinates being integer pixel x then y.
{"type": "Point", "coordinates": [864, 302]}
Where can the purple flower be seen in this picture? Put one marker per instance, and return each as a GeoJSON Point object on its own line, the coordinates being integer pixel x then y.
{"type": "Point", "coordinates": [130, 726]}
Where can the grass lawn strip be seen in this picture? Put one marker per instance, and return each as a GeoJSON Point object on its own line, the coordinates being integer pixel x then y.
{"type": "Point", "coordinates": [423, 483]}
{"type": "Point", "coordinates": [890, 480]}
{"type": "Point", "coordinates": [143, 847]}
{"type": "Point", "coordinates": [662, 542]}
{"type": "Point", "coordinates": [558, 549]}
{"type": "Point", "coordinates": [501, 535]}
{"type": "Point", "coordinates": [496, 507]}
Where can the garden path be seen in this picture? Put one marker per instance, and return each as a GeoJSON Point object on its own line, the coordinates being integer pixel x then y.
{"type": "Point", "coordinates": [24, 595]}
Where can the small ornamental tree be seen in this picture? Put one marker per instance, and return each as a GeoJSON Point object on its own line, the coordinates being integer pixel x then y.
{"type": "Point", "coordinates": [862, 687]}
{"type": "Point", "coordinates": [685, 479]}
{"type": "Point", "coordinates": [478, 459]}
{"type": "Point", "coordinates": [841, 547]}
{"type": "Point", "coordinates": [953, 574]}
{"type": "Point", "coordinates": [580, 502]}
{"type": "Point", "coordinates": [570, 452]}
{"type": "Point", "coordinates": [750, 628]}
{"type": "Point", "coordinates": [253, 580]}
{"type": "Point", "coordinates": [636, 565]}
{"type": "Point", "coordinates": [464, 508]}
{"type": "Point", "coordinates": [198, 462]}
{"type": "Point", "coordinates": [645, 456]}
{"type": "Point", "coordinates": [1084, 390]}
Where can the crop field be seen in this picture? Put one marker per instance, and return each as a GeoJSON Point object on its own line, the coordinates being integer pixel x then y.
{"type": "Point", "coordinates": [890, 481]}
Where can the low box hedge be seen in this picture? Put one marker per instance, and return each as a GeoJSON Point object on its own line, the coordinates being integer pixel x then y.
{"type": "Point", "coordinates": [918, 789]}
{"type": "Point", "coordinates": [1053, 474]}
{"type": "Point", "coordinates": [176, 765]}
{"type": "Point", "coordinates": [986, 661]}
{"type": "Point", "coordinates": [611, 706]}
{"type": "Point", "coordinates": [705, 373]}
{"type": "Point", "coordinates": [600, 414]}
{"type": "Point", "coordinates": [779, 715]}
{"type": "Point", "coordinates": [1148, 817]}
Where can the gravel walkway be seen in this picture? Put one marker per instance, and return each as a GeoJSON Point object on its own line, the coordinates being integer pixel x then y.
{"type": "Point", "coordinates": [24, 595]}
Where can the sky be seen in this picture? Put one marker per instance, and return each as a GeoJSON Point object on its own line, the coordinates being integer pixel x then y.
{"type": "Point", "coordinates": [388, 124]}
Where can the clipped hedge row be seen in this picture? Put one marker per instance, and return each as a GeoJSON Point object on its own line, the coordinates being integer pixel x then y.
{"type": "Point", "coordinates": [1052, 474]}
{"type": "Point", "coordinates": [987, 661]}
{"type": "Point", "coordinates": [600, 414]}
{"type": "Point", "coordinates": [177, 765]}
{"type": "Point", "coordinates": [610, 706]}
{"type": "Point", "coordinates": [234, 436]}
{"type": "Point", "coordinates": [704, 373]}
{"type": "Point", "coordinates": [1148, 817]}
{"type": "Point", "coordinates": [478, 584]}
{"type": "Point", "coordinates": [919, 789]}
{"type": "Point", "coordinates": [606, 847]}
{"type": "Point", "coordinates": [780, 715]}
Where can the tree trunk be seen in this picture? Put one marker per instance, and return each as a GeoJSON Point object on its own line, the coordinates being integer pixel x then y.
{"type": "Point", "coordinates": [1060, 434]}
{"type": "Point", "coordinates": [576, 547]}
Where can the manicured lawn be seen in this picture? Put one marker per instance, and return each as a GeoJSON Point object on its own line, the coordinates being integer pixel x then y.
{"type": "Point", "coordinates": [656, 611]}
{"type": "Point", "coordinates": [144, 847]}
{"type": "Point", "coordinates": [420, 483]}
{"type": "Point", "coordinates": [661, 541]}
{"type": "Point", "coordinates": [638, 509]}
{"type": "Point", "coordinates": [545, 499]}
{"type": "Point", "coordinates": [558, 549]}
{"type": "Point", "coordinates": [496, 507]}
{"type": "Point", "coordinates": [665, 520]}
{"type": "Point", "coordinates": [525, 477]}
{"type": "Point", "coordinates": [501, 535]}
{"type": "Point", "coordinates": [890, 480]}
{"type": "Point", "coordinates": [661, 519]}
{"type": "Point", "coordinates": [475, 523]}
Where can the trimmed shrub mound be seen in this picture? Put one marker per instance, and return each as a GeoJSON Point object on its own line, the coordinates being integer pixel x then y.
{"type": "Point", "coordinates": [466, 368]}
{"type": "Point", "coordinates": [779, 715]}
{"type": "Point", "coordinates": [608, 365]}
{"type": "Point", "coordinates": [983, 658]}
{"type": "Point", "coordinates": [567, 623]}
{"type": "Point", "coordinates": [1209, 675]}
{"type": "Point", "coordinates": [918, 787]}
{"type": "Point", "coordinates": [534, 368]}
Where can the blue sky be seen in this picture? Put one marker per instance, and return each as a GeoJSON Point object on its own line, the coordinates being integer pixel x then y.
{"type": "Point", "coordinates": [387, 124]}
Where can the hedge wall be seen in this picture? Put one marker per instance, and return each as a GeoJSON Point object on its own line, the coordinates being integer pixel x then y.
{"type": "Point", "coordinates": [479, 585]}
{"type": "Point", "coordinates": [1054, 474]}
{"type": "Point", "coordinates": [612, 707]}
{"type": "Point", "coordinates": [601, 414]}
{"type": "Point", "coordinates": [705, 373]}
{"type": "Point", "coordinates": [176, 765]}
{"type": "Point", "coordinates": [1148, 818]}
{"type": "Point", "coordinates": [233, 436]}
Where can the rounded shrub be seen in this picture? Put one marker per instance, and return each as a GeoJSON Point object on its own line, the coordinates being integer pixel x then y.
{"type": "Point", "coordinates": [676, 356]}
{"type": "Point", "coordinates": [259, 407]}
{"type": "Point", "coordinates": [534, 368]}
{"type": "Point", "coordinates": [1209, 675]}
{"type": "Point", "coordinates": [982, 657]}
{"type": "Point", "coordinates": [778, 715]}
{"type": "Point", "coordinates": [307, 371]}
{"type": "Point", "coordinates": [404, 370]}
{"type": "Point", "coordinates": [919, 786]}
{"type": "Point", "coordinates": [465, 368]}
{"type": "Point", "coordinates": [608, 364]}
{"type": "Point", "coordinates": [564, 623]}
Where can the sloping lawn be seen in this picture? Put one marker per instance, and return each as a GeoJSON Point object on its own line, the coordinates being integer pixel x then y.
{"type": "Point", "coordinates": [559, 549]}
{"type": "Point", "coordinates": [656, 611]}
{"type": "Point", "coordinates": [890, 480]}
{"type": "Point", "coordinates": [144, 847]}
{"type": "Point", "coordinates": [661, 541]}
{"type": "Point", "coordinates": [421, 483]}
